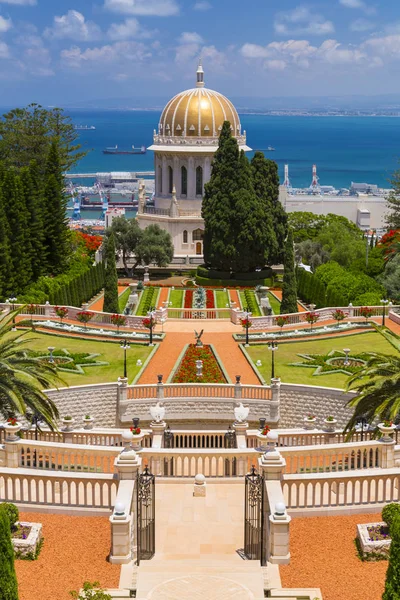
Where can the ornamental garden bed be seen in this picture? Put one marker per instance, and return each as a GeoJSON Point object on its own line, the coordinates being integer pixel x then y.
{"type": "Point", "coordinates": [26, 540]}
{"type": "Point", "coordinates": [374, 539]}
{"type": "Point", "coordinates": [186, 371]}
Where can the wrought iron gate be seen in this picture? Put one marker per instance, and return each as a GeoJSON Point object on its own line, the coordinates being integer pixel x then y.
{"type": "Point", "coordinates": [255, 547]}
{"type": "Point", "coordinates": [145, 515]}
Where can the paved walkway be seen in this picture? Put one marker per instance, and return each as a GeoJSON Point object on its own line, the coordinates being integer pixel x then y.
{"type": "Point", "coordinates": [196, 547]}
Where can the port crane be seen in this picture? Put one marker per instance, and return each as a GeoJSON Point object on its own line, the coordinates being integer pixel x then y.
{"type": "Point", "coordinates": [104, 201]}
{"type": "Point", "coordinates": [314, 187]}
{"type": "Point", "coordinates": [76, 214]}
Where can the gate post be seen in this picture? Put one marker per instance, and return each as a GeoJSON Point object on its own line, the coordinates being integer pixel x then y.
{"type": "Point", "coordinates": [274, 410]}
{"type": "Point", "coordinates": [275, 515]}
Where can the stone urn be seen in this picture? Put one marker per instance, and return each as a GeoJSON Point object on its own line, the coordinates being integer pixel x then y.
{"type": "Point", "coordinates": [133, 440]}
{"type": "Point", "coordinates": [267, 442]}
{"type": "Point", "coordinates": [309, 423]}
{"type": "Point", "coordinates": [88, 422]}
{"type": "Point", "coordinates": [387, 432]}
{"type": "Point", "coordinates": [330, 425]}
{"type": "Point", "coordinates": [11, 431]}
{"type": "Point", "coordinates": [137, 441]}
{"type": "Point", "coordinates": [68, 424]}
{"type": "Point", "coordinates": [262, 442]}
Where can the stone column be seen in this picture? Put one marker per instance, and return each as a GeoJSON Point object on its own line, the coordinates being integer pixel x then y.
{"type": "Point", "coordinates": [238, 388]}
{"type": "Point", "coordinates": [387, 454]}
{"type": "Point", "coordinates": [274, 411]}
{"type": "Point", "coordinates": [177, 177]}
{"type": "Point", "coordinates": [164, 177]}
{"type": "Point", "coordinates": [127, 464]}
{"type": "Point", "coordinates": [47, 309]}
{"type": "Point", "coordinates": [122, 396]}
{"type": "Point", "coordinates": [157, 441]}
{"type": "Point", "coordinates": [85, 306]}
{"type": "Point", "coordinates": [279, 523]}
{"type": "Point", "coordinates": [271, 463]}
{"type": "Point", "coordinates": [191, 195]}
{"type": "Point", "coordinates": [121, 534]}
{"type": "Point", "coordinates": [11, 453]}
{"type": "Point", "coordinates": [241, 438]}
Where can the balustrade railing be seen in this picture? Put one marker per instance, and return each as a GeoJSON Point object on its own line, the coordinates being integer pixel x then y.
{"type": "Point", "coordinates": [325, 490]}
{"type": "Point", "coordinates": [194, 390]}
{"type": "Point", "coordinates": [200, 439]}
{"type": "Point", "coordinates": [199, 313]}
{"type": "Point", "coordinates": [301, 437]}
{"type": "Point", "coordinates": [86, 490]}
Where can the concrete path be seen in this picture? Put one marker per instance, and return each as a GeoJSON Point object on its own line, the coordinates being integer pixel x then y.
{"type": "Point", "coordinates": [196, 547]}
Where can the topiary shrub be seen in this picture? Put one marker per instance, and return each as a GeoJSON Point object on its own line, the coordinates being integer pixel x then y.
{"type": "Point", "coordinates": [12, 513]}
{"type": "Point", "coordinates": [8, 578]}
{"type": "Point", "coordinates": [392, 584]}
{"type": "Point", "coordinates": [140, 286]}
{"type": "Point", "coordinates": [389, 512]}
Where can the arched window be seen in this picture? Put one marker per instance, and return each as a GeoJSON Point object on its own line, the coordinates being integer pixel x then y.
{"type": "Point", "coordinates": [198, 235]}
{"type": "Point", "coordinates": [185, 237]}
{"type": "Point", "coordinates": [199, 181]}
{"type": "Point", "coordinates": [160, 180]}
{"type": "Point", "coordinates": [170, 179]}
{"type": "Point", "coordinates": [183, 181]}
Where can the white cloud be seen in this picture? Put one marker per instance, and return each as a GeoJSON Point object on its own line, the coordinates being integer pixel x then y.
{"type": "Point", "coordinates": [188, 37]}
{"type": "Point", "coordinates": [358, 4]}
{"type": "Point", "coordinates": [4, 51]}
{"type": "Point", "coordinates": [130, 28]}
{"type": "Point", "coordinates": [362, 25]}
{"type": "Point", "coordinates": [20, 2]}
{"type": "Point", "coordinates": [202, 5]}
{"type": "Point", "coordinates": [275, 65]}
{"type": "Point", "coordinates": [189, 46]}
{"type": "Point", "coordinates": [386, 47]}
{"type": "Point", "coordinates": [5, 24]}
{"type": "Point", "coordinates": [157, 8]}
{"type": "Point", "coordinates": [301, 21]}
{"type": "Point", "coordinates": [74, 26]}
{"type": "Point", "coordinates": [120, 52]}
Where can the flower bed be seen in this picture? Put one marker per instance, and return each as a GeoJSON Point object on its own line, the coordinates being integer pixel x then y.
{"type": "Point", "coordinates": [188, 299]}
{"type": "Point", "coordinates": [210, 299]}
{"type": "Point", "coordinates": [26, 540]}
{"type": "Point", "coordinates": [186, 372]}
{"type": "Point", "coordinates": [374, 539]}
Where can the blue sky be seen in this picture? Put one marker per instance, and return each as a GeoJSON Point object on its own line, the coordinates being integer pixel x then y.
{"type": "Point", "coordinates": [62, 51]}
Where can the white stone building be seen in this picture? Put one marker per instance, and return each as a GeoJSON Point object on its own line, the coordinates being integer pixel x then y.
{"type": "Point", "coordinates": [184, 146]}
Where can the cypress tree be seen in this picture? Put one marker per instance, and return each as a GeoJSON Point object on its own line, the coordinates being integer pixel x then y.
{"type": "Point", "coordinates": [17, 217]}
{"type": "Point", "coordinates": [57, 234]}
{"type": "Point", "coordinates": [8, 578]}
{"type": "Point", "coordinates": [32, 187]}
{"type": "Point", "coordinates": [252, 228]}
{"type": "Point", "coordinates": [110, 304]}
{"type": "Point", "coordinates": [218, 203]}
{"type": "Point", "coordinates": [289, 295]}
{"type": "Point", "coordinates": [392, 585]}
{"type": "Point", "coordinates": [5, 253]}
{"type": "Point", "coordinates": [266, 186]}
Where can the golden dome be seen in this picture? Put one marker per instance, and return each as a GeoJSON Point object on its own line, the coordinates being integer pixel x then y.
{"type": "Point", "coordinates": [198, 112]}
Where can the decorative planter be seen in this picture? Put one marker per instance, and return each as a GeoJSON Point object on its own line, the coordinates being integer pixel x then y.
{"type": "Point", "coordinates": [68, 424]}
{"type": "Point", "coordinates": [368, 545]}
{"type": "Point", "coordinates": [137, 441]}
{"type": "Point", "coordinates": [386, 432]}
{"type": "Point", "coordinates": [28, 546]}
{"type": "Point", "coordinates": [262, 443]}
{"type": "Point", "coordinates": [88, 422]}
{"type": "Point", "coordinates": [330, 426]}
{"type": "Point", "coordinates": [309, 423]}
{"type": "Point", "coordinates": [11, 431]}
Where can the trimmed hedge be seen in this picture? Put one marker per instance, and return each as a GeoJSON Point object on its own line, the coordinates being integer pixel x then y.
{"type": "Point", "coordinates": [8, 578]}
{"type": "Point", "coordinates": [147, 300]}
{"type": "Point", "coordinates": [202, 271]}
{"type": "Point", "coordinates": [206, 282]}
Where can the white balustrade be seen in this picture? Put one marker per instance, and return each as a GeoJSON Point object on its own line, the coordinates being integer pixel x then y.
{"type": "Point", "coordinates": [26, 486]}
{"type": "Point", "coordinates": [324, 490]}
{"type": "Point", "coordinates": [314, 437]}
{"type": "Point", "coordinates": [199, 439]}
{"type": "Point", "coordinates": [194, 390]}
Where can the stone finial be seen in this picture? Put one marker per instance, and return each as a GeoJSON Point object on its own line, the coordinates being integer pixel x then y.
{"type": "Point", "coordinates": [200, 486]}
{"type": "Point", "coordinates": [174, 208]}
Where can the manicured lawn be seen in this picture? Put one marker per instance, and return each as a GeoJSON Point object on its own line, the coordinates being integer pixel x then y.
{"type": "Point", "coordinates": [221, 298]}
{"type": "Point", "coordinates": [176, 297]}
{"type": "Point", "coordinates": [149, 292]}
{"type": "Point", "coordinates": [275, 304]}
{"type": "Point", "coordinates": [256, 312]}
{"type": "Point", "coordinates": [288, 353]}
{"type": "Point", "coordinates": [123, 299]}
{"type": "Point", "coordinates": [109, 352]}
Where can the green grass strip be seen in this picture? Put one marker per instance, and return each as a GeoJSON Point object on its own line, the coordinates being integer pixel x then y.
{"type": "Point", "coordinates": [123, 299]}
{"type": "Point", "coordinates": [176, 298]}
{"type": "Point", "coordinates": [275, 304]}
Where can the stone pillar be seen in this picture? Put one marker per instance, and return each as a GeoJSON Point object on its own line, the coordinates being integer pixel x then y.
{"type": "Point", "coordinates": [274, 411]}
{"type": "Point", "coordinates": [177, 177]}
{"type": "Point", "coordinates": [279, 522]}
{"type": "Point", "coordinates": [122, 396]}
{"type": "Point", "coordinates": [127, 464]}
{"type": "Point", "coordinates": [241, 438]}
{"type": "Point", "coordinates": [387, 454]}
{"type": "Point", "coordinates": [47, 309]}
{"type": "Point", "coordinates": [238, 388]}
{"type": "Point", "coordinates": [164, 177]}
{"type": "Point", "coordinates": [11, 453]}
{"type": "Point", "coordinates": [350, 309]}
{"type": "Point", "coordinates": [85, 306]}
{"type": "Point", "coordinates": [191, 179]}
{"type": "Point", "coordinates": [160, 389]}
{"type": "Point", "coordinates": [121, 534]}
{"type": "Point", "coordinates": [272, 464]}
{"type": "Point", "coordinates": [157, 434]}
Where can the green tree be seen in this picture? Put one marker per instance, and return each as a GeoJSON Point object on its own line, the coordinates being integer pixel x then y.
{"type": "Point", "coordinates": [127, 234]}
{"type": "Point", "coordinates": [57, 233]}
{"type": "Point", "coordinates": [378, 389]}
{"type": "Point", "coordinates": [266, 186]}
{"type": "Point", "coordinates": [289, 286]}
{"type": "Point", "coordinates": [218, 203]}
{"type": "Point", "coordinates": [8, 577]}
{"type": "Point", "coordinates": [27, 134]}
{"type": "Point", "coordinates": [392, 584]}
{"type": "Point", "coordinates": [111, 278]}
{"type": "Point", "coordinates": [18, 233]}
{"type": "Point", "coordinates": [155, 246]}
{"type": "Point", "coordinates": [393, 203]}
{"type": "Point", "coordinates": [33, 193]}
{"type": "Point", "coordinates": [390, 279]}
{"type": "Point", "coordinates": [6, 279]}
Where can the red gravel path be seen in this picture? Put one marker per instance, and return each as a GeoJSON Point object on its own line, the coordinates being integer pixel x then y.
{"type": "Point", "coordinates": [75, 550]}
{"type": "Point", "coordinates": [163, 297]}
{"type": "Point", "coordinates": [323, 555]}
{"type": "Point", "coordinates": [234, 296]}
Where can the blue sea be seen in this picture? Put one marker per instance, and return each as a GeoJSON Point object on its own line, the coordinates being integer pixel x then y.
{"type": "Point", "coordinates": [345, 149]}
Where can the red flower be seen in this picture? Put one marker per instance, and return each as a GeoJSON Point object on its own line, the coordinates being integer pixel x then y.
{"type": "Point", "coordinates": [210, 299]}
{"type": "Point", "coordinates": [187, 371]}
{"type": "Point", "coordinates": [246, 323]}
{"type": "Point", "coordinates": [12, 421]}
{"type": "Point", "coordinates": [136, 430]}
{"type": "Point", "coordinates": [266, 430]}
{"type": "Point", "coordinates": [188, 299]}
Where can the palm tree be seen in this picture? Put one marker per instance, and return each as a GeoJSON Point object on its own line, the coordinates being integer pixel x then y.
{"type": "Point", "coordinates": [378, 389]}
{"type": "Point", "coordinates": [23, 377]}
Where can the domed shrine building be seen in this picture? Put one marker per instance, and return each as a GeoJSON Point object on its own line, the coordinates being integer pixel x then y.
{"type": "Point", "coordinates": [183, 147]}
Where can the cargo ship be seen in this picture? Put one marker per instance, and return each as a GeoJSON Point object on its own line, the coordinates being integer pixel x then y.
{"type": "Point", "coordinates": [133, 150]}
{"type": "Point", "coordinates": [84, 127]}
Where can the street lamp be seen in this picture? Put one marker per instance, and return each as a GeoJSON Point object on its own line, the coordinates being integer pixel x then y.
{"type": "Point", "coordinates": [13, 301]}
{"type": "Point", "coordinates": [247, 314]}
{"type": "Point", "coordinates": [384, 302]}
{"type": "Point", "coordinates": [273, 346]}
{"type": "Point", "coordinates": [152, 316]}
{"type": "Point", "coordinates": [362, 424]}
{"type": "Point", "coordinates": [125, 346]}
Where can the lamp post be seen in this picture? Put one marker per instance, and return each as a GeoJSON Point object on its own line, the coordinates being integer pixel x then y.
{"type": "Point", "coordinates": [247, 314]}
{"type": "Point", "coordinates": [125, 346]}
{"type": "Point", "coordinates": [152, 316]}
{"type": "Point", "coordinates": [384, 302]}
{"type": "Point", "coordinates": [13, 301]}
{"type": "Point", "coordinates": [362, 421]}
{"type": "Point", "coordinates": [273, 346]}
